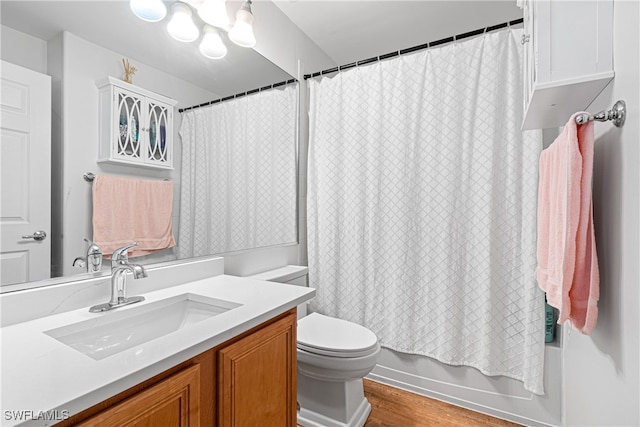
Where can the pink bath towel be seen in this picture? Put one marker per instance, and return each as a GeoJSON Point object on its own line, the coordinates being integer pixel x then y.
{"type": "Point", "coordinates": [567, 260]}
{"type": "Point", "coordinates": [127, 210]}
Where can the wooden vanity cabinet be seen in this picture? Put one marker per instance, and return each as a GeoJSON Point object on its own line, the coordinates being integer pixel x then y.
{"type": "Point", "coordinates": [257, 378]}
{"type": "Point", "coordinates": [249, 380]}
{"type": "Point", "coordinates": [171, 402]}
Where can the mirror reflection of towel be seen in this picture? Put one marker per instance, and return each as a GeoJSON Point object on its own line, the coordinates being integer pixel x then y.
{"type": "Point", "coordinates": [127, 210]}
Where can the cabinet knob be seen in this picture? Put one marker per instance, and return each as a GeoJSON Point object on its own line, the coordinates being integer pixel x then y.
{"type": "Point", "coordinates": [525, 38]}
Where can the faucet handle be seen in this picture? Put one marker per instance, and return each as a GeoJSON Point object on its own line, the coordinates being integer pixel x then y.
{"type": "Point", "coordinates": [92, 247]}
{"type": "Point", "coordinates": [121, 254]}
{"type": "Point", "coordinates": [94, 257]}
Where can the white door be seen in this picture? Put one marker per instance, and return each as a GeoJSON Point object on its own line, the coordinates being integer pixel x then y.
{"type": "Point", "coordinates": [25, 174]}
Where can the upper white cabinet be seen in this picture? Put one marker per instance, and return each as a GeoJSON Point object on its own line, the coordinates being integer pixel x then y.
{"type": "Point", "coordinates": [136, 125]}
{"type": "Point", "coordinates": [568, 58]}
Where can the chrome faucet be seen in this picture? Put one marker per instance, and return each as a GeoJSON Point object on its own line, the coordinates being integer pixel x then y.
{"type": "Point", "coordinates": [119, 268]}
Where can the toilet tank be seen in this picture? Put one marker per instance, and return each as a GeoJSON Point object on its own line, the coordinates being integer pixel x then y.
{"type": "Point", "coordinates": [291, 275]}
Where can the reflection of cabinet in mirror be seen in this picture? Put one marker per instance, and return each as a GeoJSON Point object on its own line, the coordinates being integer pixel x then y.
{"type": "Point", "coordinates": [136, 125]}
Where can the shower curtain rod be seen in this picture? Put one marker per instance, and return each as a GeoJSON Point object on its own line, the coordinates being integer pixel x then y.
{"type": "Point", "coordinates": [415, 48]}
{"type": "Point", "coordinates": [238, 95]}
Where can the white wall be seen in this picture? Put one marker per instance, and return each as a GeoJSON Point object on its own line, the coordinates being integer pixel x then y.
{"type": "Point", "coordinates": [284, 44]}
{"type": "Point", "coordinates": [23, 49]}
{"type": "Point", "coordinates": [601, 374]}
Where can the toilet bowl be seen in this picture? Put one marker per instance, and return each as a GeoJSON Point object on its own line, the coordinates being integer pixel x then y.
{"type": "Point", "coordinates": [333, 357]}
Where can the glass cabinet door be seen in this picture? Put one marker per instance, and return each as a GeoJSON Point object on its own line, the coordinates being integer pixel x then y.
{"type": "Point", "coordinates": [129, 108]}
{"type": "Point", "coordinates": [158, 118]}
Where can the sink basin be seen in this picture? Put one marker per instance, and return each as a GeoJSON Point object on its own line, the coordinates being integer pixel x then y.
{"type": "Point", "coordinates": [116, 331]}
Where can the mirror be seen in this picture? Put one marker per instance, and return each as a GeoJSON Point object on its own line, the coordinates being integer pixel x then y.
{"type": "Point", "coordinates": [79, 42]}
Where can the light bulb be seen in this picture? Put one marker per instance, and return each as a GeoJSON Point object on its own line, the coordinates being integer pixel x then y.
{"type": "Point", "coordinates": [211, 45]}
{"type": "Point", "coordinates": [148, 10]}
{"type": "Point", "coordinates": [214, 12]}
{"type": "Point", "coordinates": [181, 26]}
{"type": "Point", "coordinates": [242, 31]}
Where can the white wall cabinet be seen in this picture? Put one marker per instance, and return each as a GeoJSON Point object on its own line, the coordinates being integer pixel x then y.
{"type": "Point", "coordinates": [568, 58]}
{"type": "Point", "coordinates": [136, 125]}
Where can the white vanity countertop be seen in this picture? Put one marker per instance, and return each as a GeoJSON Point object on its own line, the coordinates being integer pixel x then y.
{"type": "Point", "coordinates": [39, 373]}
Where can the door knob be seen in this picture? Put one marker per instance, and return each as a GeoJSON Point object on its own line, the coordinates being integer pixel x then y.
{"type": "Point", "coordinates": [37, 236]}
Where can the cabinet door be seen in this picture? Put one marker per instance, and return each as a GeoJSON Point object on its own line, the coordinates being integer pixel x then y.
{"type": "Point", "coordinates": [159, 119]}
{"type": "Point", "coordinates": [173, 402]}
{"type": "Point", "coordinates": [127, 133]}
{"type": "Point", "coordinates": [257, 378]}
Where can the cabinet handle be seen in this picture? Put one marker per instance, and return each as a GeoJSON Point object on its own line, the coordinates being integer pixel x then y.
{"type": "Point", "coordinates": [525, 38]}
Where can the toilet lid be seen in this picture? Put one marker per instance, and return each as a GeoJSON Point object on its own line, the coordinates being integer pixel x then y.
{"type": "Point", "coordinates": [327, 335]}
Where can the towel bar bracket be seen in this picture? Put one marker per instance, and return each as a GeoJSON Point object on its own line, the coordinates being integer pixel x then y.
{"type": "Point", "coordinates": [617, 114]}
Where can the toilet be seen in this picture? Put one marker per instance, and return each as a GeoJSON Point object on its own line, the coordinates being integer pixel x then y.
{"type": "Point", "coordinates": [333, 357]}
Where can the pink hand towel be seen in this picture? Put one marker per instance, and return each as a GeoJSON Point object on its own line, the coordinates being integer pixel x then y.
{"type": "Point", "coordinates": [567, 260]}
{"type": "Point", "coordinates": [127, 210]}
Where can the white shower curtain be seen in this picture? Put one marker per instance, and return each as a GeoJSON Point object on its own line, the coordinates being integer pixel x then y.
{"type": "Point", "coordinates": [238, 179]}
{"type": "Point", "coordinates": [422, 206]}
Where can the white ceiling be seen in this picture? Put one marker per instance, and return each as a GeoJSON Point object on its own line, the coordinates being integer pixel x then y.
{"type": "Point", "coordinates": [349, 31]}
{"type": "Point", "coordinates": [345, 30]}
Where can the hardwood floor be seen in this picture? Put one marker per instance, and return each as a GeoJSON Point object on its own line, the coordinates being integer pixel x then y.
{"type": "Point", "coordinates": [392, 407]}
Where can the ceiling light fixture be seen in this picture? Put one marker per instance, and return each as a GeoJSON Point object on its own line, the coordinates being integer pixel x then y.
{"type": "Point", "coordinates": [181, 26]}
{"type": "Point", "coordinates": [211, 45]}
{"type": "Point", "coordinates": [212, 12]}
{"type": "Point", "coordinates": [242, 31]}
{"type": "Point", "coordinates": [149, 10]}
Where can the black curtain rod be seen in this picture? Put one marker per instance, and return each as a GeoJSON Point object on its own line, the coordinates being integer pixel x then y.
{"type": "Point", "coordinates": [238, 95]}
{"type": "Point", "coordinates": [415, 48]}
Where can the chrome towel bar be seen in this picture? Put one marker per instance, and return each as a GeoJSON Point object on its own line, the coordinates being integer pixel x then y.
{"type": "Point", "coordinates": [90, 176]}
